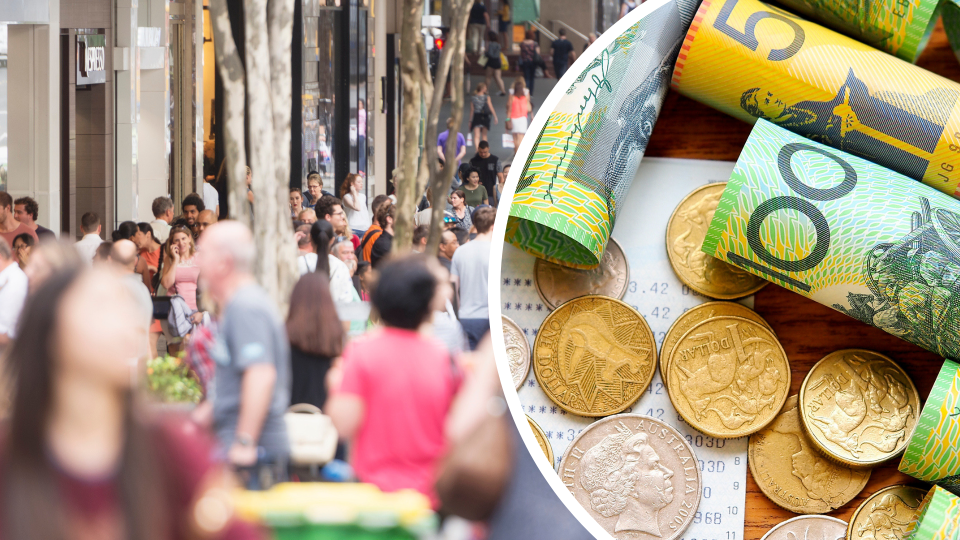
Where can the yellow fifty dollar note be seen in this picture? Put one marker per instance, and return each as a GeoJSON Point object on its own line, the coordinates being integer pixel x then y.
{"type": "Point", "coordinates": [752, 60]}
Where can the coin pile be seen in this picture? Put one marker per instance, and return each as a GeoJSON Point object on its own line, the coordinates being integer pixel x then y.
{"type": "Point", "coordinates": [594, 356]}
{"type": "Point", "coordinates": [727, 376]}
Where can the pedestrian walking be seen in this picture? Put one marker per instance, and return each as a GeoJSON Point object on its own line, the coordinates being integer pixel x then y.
{"type": "Point", "coordinates": [355, 204]}
{"type": "Point", "coordinates": [391, 397]}
{"type": "Point", "coordinates": [504, 23]}
{"type": "Point", "coordinates": [478, 24]}
{"type": "Point", "coordinates": [316, 338]}
{"type": "Point", "coordinates": [494, 62]}
{"type": "Point", "coordinates": [252, 386]}
{"type": "Point", "coordinates": [530, 58]}
{"type": "Point", "coordinates": [470, 268]}
{"type": "Point", "coordinates": [79, 460]}
{"type": "Point", "coordinates": [483, 113]}
{"type": "Point", "coordinates": [13, 293]}
{"type": "Point", "coordinates": [563, 54]}
{"type": "Point", "coordinates": [518, 107]}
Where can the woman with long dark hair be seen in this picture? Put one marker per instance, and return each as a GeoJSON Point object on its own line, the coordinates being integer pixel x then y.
{"type": "Point", "coordinates": [341, 287]}
{"type": "Point", "coordinates": [79, 459]}
{"type": "Point", "coordinates": [316, 338]}
{"type": "Point", "coordinates": [322, 237]}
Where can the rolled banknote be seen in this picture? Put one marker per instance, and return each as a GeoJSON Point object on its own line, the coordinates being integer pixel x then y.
{"type": "Point", "coordinates": [751, 60]}
{"type": "Point", "coordinates": [938, 517]}
{"type": "Point", "coordinates": [951, 24]}
{"type": "Point", "coordinates": [601, 114]}
{"type": "Point", "coordinates": [846, 233]}
{"type": "Point", "coordinates": [899, 27]}
{"type": "Point", "coordinates": [932, 453]}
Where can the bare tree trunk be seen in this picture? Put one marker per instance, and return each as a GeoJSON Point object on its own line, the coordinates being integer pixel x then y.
{"type": "Point", "coordinates": [440, 182]}
{"type": "Point", "coordinates": [271, 225]}
{"type": "Point", "coordinates": [278, 237]}
{"type": "Point", "coordinates": [231, 72]}
{"type": "Point", "coordinates": [412, 77]}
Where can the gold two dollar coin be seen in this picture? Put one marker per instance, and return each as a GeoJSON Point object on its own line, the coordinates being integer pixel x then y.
{"type": "Point", "coordinates": [558, 284]}
{"type": "Point", "coordinates": [594, 356]}
{"type": "Point", "coordinates": [518, 351]}
{"type": "Point", "coordinates": [686, 232]}
{"type": "Point", "coordinates": [697, 315]}
{"type": "Point", "coordinates": [541, 440]}
{"type": "Point", "coordinates": [793, 474]}
{"type": "Point", "coordinates": [886, 514]}
{"type": "Point", "coordinates": [859, 407]}
{"type": "Point", "coordinates": [635, 475]}
{"type": "Point", "coordinates": [728, 377]}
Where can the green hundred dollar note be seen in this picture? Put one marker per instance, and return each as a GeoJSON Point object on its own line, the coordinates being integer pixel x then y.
{"type": "Point", "coordinates": [899, 27]}
{"type": "Point", "coordinates": [845, 232]}
{"type": "Point", "coordinates": [601, 115]}
{"type": "Point", "coordinates": [931, 453]}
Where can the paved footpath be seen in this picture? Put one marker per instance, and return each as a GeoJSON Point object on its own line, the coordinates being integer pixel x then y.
{"type": "Point", "coordinates": [501, 142]}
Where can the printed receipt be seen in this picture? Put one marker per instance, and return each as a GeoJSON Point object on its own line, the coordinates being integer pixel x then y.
{"type": "Point", "coordinates": [659, 296]}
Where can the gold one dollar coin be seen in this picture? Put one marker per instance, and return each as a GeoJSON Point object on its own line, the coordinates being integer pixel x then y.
{"type": "Point", "coordinates": [886, 514]}
{"type": "Point", "coordinates": [594, 356]}
{"type": "Point", "coordinates": [686, 232]}
{"type": "Point", "coordinates": [697, 315]}
{"type": "Point", "coordinates": [541, 440]}
{"type": "Point", "coordinates": [558, 284]}
{"type": "Point", "coordinates": [793, 474]}
{"type": "Point", "coordinates": [728, 377]}
{"type": "Point", "coordinates": [635, 475]}
{"type": "Point", "coordinates": [859, 407]}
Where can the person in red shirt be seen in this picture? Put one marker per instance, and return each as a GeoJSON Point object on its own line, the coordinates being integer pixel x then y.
{"type": "Point", "coordinates": [392, 405]}
{"type": "Point", "coordinates": [78, 458]}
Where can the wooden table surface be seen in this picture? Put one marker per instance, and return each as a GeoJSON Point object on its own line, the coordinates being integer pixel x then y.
{"type": "Point", "coordinates": [807, 330]}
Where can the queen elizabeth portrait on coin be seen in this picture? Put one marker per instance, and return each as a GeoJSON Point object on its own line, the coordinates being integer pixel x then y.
{"type": "Point", "coordinates": [625, 478]}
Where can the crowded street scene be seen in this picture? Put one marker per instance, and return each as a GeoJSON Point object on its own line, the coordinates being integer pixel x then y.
{"type": "Point", "coordinates": [266, 331]}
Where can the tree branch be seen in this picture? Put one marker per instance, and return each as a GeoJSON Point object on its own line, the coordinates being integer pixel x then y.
{"type": "Point", "coordinates": [440, 182]}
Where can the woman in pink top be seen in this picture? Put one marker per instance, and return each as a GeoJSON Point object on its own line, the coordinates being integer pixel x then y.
{"type": "Point", "coordinates": [180, 274]}
{"type": "Point", "coordinates": [518, 107]}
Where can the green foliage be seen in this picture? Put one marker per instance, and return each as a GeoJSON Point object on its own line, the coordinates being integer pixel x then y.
{"type": "Point", "coordinates": [170, 380]}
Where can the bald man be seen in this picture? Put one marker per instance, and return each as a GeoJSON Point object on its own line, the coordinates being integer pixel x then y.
{"type": "Point", "coordinates": [205, 220]}
{"type": "Point", "coordinates": [123, 256]}
{"type": "Point", "coordinates": [308, 216]}
{"type": "Point", "coordinates": [252, 386]}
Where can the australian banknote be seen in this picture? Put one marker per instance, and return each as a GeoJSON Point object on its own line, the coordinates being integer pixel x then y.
{"type": "Point", "coordinates": [845, 232]}
{"type": "Point", "coordinates": [931, 453]}
{"type": "Point", "coordinates": [899, 27]}
{"type": "Point", "coordinates": [752, 60]}
{"type": "Point", "coordinates": [601, 115]}
{"type": "Point", "coordinates": [951, 24]}
{"type": "Point", "coordinates": [938, 517]}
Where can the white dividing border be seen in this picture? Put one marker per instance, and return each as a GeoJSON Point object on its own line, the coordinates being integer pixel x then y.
{"type": "Point", "coordinates": [496, 255]}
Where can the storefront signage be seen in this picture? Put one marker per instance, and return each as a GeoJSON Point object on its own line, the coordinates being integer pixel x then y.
{"type": "Point", "coordinates": [91, 59]}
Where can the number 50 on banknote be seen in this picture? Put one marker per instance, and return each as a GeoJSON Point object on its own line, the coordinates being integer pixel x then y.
{"type": "Point", "coordinates": [752, 60]}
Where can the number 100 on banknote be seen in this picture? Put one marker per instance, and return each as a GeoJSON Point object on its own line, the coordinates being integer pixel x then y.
{"type": "Point", "coordinates": [752, 60]}
{"type": "Point", "coordinates": [846, 233]}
